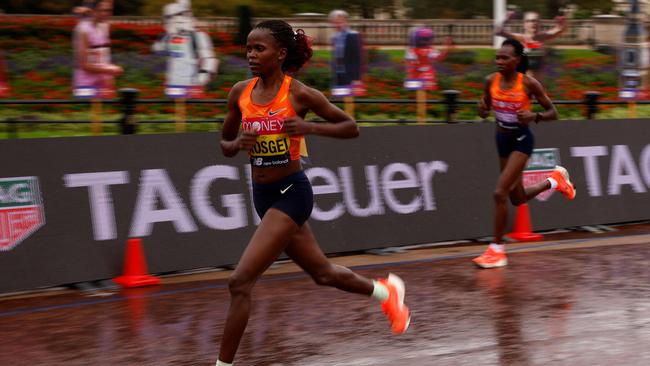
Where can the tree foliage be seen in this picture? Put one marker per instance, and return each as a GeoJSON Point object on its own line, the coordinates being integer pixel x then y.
{"type": "Point", "coordinates": [130, 7]}
{"type": "Point", "coordinates": [154, 7]}
{"type": "Point", "coordinates": [37, 6]}
{"type": "Point", "coordinates": [283, 8]}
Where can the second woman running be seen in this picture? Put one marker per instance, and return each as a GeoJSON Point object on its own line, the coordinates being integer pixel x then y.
{"type": "Point", "coordinates": [508, 93]}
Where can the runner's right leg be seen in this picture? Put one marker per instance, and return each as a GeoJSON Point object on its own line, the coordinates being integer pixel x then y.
{"type": "Point", "coordinates": [511, 170]}
{"type": "Point", "coordinates": [267, 243]}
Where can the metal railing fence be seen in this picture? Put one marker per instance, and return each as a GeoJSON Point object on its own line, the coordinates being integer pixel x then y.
{"type": "Point", "coordinates": [128, 123]}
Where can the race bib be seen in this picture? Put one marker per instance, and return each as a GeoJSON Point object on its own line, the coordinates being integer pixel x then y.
{"type": "Point", "coordinates": [272, 144]}
{"type": "Point", "coordinates": [506, 112]}
{"type": "Point", "coordinates": [507, 117]}
{"type": "Point", "coordinates": [271, 150]}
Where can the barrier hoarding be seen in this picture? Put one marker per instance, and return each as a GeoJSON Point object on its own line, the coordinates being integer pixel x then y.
{"type": "Point", "coordinates": [393, 186]}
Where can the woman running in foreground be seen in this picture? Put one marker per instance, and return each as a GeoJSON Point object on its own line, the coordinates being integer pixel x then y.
{"type": "Point", "coordinates": [269, 110]}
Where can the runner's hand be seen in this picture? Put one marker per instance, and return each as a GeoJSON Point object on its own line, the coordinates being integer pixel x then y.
{"type": "Point", "coordinates": [246, 140]}
{"type": "Point", "coordinates": [483, 110]}
{"type": "Point", "coordinates": [525, 117]}
{"type": "Point", "coordinates": [297, 126]}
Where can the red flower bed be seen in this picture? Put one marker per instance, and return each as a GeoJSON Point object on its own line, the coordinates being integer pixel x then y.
{"type": "Point", "coordinates": [38, 32]}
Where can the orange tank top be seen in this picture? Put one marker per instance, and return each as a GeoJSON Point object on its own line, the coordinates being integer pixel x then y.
{"type": "Point", "coordinates": [274, 147]}
{"type": "Point", "coordinates": [506, 103]}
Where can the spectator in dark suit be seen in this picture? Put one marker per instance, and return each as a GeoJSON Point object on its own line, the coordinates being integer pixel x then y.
{"type": "Point", "coordinates": [346, 51]}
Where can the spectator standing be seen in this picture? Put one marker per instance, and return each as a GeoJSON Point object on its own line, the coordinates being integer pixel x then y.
{"type": "Point", "coordinates": [347, 56]}
{"type": "Point", "coordinates": [533, 38]}
{"type": "Point", "coordinates": [94, 74]}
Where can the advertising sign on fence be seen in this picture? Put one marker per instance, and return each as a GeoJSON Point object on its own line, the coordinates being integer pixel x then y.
{"type": "Point", "coordinates": [21, 210]}
{"type": "Point", "coordinates": [540, 165]}
{"type": "Point", "coordinates": [193, 208]}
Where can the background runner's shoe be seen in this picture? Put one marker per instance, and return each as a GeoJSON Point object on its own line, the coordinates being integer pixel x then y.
{"type": "Point", "coordinates": [564, 185]}
{"type": "Point", "coordinates": [394, 308]}
{"type": "Point", "coordinates": [491, 259]}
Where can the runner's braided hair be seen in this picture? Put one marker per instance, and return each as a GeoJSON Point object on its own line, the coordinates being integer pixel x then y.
{"type": "Point", "coordinates": [297, 43]}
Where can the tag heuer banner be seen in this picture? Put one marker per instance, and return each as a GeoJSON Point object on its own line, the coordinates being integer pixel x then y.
{"type": "Point", "coordinates": [21, 210]}
{"type": "Point", "coordinates": [540, 165]}
{"type": "Point", "coordinates": [192, 207]}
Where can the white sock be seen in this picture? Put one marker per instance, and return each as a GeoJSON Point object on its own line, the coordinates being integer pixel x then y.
{"type": "Point", "coordinates": [553, 183]}
{"type": "Point", "coordinates": [221, 363]}
{"type": "Point", "coordinates": [380, 291]}
{"type": "Point", "coordinates": [499, 248]}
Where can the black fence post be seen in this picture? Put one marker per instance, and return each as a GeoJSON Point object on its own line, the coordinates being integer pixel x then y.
{"type": "Point", "coordinates": [591, 101]}
{"type": "Point", "coordinates": [12, 128]}
{"type": "Point", "coordinates": [128, 99]}
{"type": "Point", "coordinates": [451, 101]}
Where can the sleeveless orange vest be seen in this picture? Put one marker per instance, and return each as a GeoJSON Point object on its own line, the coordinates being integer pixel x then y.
{"type": "Point", "coordinates": [506, 103]}
{"type": "Point", "coordinates": [274, 147]}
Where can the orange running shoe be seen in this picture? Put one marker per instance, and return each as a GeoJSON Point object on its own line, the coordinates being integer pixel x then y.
{"type": "Point", "coordinates": [564, 185]}
{"type": "Point", "coordinates": [398, 314]}
{"type": "Point", "coordinates": [491, 259]}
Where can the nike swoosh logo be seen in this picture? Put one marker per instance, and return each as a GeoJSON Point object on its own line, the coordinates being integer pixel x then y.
{"type": "Point", "coordinates": [521, 137]}
{"type": "Point", "coordinates": [273, 113]}
{"type": "Point", "coordinates": [286, 189]}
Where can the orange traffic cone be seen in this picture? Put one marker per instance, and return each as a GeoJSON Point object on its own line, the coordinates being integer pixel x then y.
{"type": "Point", "coordinates": [135, 267]}
{"type": "Point", "coordinates": [522, 230]}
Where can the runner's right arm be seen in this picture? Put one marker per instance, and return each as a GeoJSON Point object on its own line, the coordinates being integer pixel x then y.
{"type": "Point", "coordinates": [485, 103]}
{"type": "Point", "coordinates": [231, 141]}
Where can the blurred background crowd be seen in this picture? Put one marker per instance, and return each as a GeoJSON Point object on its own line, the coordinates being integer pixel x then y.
{"type": "Point", "coordinates": [38, 41]}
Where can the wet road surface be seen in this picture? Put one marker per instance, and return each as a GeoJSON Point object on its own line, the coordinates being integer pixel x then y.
{"type": "Point", "coordinates": [573, 302]}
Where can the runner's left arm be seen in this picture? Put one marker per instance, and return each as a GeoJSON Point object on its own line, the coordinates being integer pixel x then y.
{"type": "Point", "coordinates": [337, 123]}
{"type": "Point", "coordinates": [536, 90]}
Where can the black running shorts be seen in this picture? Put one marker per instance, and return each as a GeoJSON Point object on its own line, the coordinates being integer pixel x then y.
{"type": "Point", "coordinates": [518, 139]}
{"type": "Point", "coordinates": [292, 195]}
